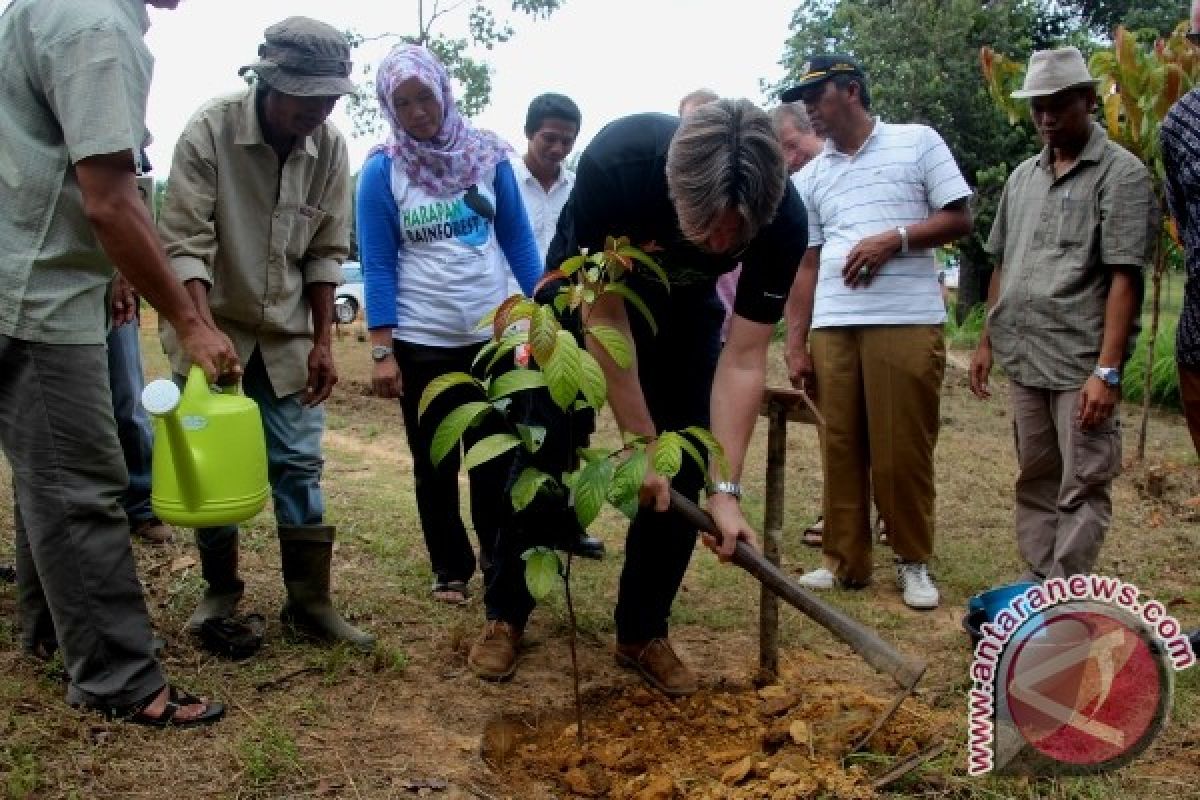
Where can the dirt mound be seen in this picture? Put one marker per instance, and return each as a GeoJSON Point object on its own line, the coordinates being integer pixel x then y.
{"type": "Point", "coordinates": [783, 742]}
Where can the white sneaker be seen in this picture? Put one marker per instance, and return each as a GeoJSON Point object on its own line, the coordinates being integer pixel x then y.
{"type": "Point", "coordinates": [919, 591]}
{"type": "Point", "coordinates": [820, 579]}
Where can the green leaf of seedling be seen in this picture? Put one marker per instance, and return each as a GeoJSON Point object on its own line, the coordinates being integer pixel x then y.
{"type": "Point", "coordinates": [451, 429]}
{"type": "Point", "coordinates": [532, 436]}
{"type": "Point", "coordinates": [526, 487]}
{"type": "Point", "coordinates": [561, 301]}
{"type": "Point", "coordinates": [573, 263]}
{"type": "Point", "coordinates": [488, 448]}
{"type": "Point", "coordinates": [504, 347]}
{"type": "Point", "coordinates": [590, 454]}
{"type": "Point", "coordinates": [484, 352]}
{"type": "Point", "coordinates": [631, 297]}
{"type": "Point", "coordinates": [543, 571]}
{"type": "Point", "coordinates": [648, 262]}
{"type": "Point", "coordinates": [691, 450]}
{"type": "Point", "coordinates": [715, 451]}
{"type": "Point", "coordinates": [592, 383]}
{"type": "Point", "coordinates": [668, 455]}
{"type": "Point", "coordinates": [627, 480]}
{"type": "Point", "coordinates": [517, 380]}
{"type": "Point", "coordinates": [440, 384]}
{"type": "Point", "coordinates": [591, 489]}
{"type": "Point", "coordinates": [543, 334]}
{"type": "Point", "coordinates": [614, 343]}
{"type": "Point", "coordinates": [563, 371]}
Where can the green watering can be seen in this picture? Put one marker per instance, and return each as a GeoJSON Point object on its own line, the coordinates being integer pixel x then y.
{"type": "Point", "coordinates": [210, 456]}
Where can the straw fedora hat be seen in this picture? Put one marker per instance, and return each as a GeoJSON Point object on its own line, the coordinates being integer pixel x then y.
{"type": "Point", "coordinates": [1054, 71]}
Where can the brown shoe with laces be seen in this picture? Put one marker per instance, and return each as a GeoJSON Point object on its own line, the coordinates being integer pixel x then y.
{"type": "Point", "coordinates": [493, 657]}
{"type": "Point", "coordinates": [659, 666]}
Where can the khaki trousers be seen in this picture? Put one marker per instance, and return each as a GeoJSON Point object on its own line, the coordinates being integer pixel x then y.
{"type": "Point", "coordinates": [879, 389]}
{"type": "Point", "coordinates": [1064, 482]}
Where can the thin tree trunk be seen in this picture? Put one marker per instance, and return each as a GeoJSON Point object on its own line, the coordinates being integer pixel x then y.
{"type": "Point", "coordinates": [1148, 380]}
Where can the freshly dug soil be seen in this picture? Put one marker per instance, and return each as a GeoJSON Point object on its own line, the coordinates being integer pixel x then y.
{"type": "Point", "coordinates": [784, 741]}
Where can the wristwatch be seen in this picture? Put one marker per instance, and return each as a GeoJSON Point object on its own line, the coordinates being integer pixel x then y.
{"type": "Point", "coordinates": [726, 487]}
{"type": "Point", "coordinates": [380, 351]}
{"type": "Point", "coordinates": [903, 231]}
{"type": "Point", "coordinates": [1110, 375]}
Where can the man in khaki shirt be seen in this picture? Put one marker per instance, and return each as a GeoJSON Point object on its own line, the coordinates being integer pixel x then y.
{"type": "Point", "coordinates": [74, 78]}
{"type": "Point", "coordinates": [255, 222]}
{"type": "Point", "coordinates": [1073, 233]}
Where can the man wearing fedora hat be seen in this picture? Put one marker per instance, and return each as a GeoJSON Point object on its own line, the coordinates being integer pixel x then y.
{"type": "Point", "coordinates": [1072, 235]}
{"type": "Point", "coordinates": [865, 318]}
{"type": "Point", "coordinates": [256, 223]}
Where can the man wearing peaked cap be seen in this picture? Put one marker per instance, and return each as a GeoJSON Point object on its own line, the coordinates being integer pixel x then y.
{"type": "Point", "coordinates": [1073, 233]}
{"type": "Point", "coordinates": [865, 318]}
{"type": "Point", "coordinates": [256, 223]}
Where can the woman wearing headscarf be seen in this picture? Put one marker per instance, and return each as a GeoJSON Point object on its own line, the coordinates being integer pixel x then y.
{"type": "Point", "coordinates": [442, 231]}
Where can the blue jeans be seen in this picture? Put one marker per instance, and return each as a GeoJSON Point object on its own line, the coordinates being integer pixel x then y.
{"type": "Point", "coordinates": [294, 460]}
{"type": "Point", "coordinates": [134, 430]}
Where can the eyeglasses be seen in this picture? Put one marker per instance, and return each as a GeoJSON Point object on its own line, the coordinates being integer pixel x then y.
{"type": "Point", "coordinates": [812, 95]}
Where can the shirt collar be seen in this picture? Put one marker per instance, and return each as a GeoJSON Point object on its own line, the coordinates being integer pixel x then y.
{"type": "Point", "coordinates": [831, 149]}
{"type": "Point", "coordinates": [137, 10]}
{"type": "Point", "coordinates": [522, 170]}
{"type": "Point", "coordinates": [248, 130]}
{"type": "Point", "coordinates": [1092, 152]}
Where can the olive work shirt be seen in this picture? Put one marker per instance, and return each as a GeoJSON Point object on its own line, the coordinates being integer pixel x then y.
{"type": "Point", "coordinates": [74, 78]}
{"type": "Point", "coordinates": [1057, 242]}
{"type": "Point", "coordinates": [257, 235]}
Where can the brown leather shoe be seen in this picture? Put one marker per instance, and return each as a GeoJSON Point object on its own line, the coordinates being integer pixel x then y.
{"type": "Point", "coordinates": [493, 657]}
{"type": "Point", "coordinates": [154, 531]}
{"type": "Point", "coordinates": [659, 666]}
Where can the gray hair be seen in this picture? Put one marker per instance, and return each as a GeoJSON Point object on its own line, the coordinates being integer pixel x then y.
{"type": "Point", "coordinates": [725, 156]}
{"type": "Point", "coordinates": [691, 100]}
{"type": "Point", "coordinates": [793, 111]}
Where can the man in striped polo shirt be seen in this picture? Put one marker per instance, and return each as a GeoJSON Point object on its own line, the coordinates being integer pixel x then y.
{"type": "Point", "coordinates": [865, 319]}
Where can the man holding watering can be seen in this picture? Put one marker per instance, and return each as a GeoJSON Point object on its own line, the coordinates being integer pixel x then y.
{"type": "Point", "coordinates": [75, 77]}
{"type": "Point", "coordinates": [255, 222]}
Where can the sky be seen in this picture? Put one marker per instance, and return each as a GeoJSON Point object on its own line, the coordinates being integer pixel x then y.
{"type": "Point", "coordinates": [613, 57]}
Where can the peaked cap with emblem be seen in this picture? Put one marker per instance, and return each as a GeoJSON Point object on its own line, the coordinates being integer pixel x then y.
{"type": "Point", "coordinates": [305, 58]}
{"type": "Point", "coordinates": [819, 69]}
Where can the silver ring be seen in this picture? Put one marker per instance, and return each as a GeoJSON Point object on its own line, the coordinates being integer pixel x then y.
{"type": "Point", "coordinates": [866, 270]}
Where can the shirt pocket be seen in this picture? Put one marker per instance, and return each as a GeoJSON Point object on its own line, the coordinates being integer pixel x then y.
{"type": "Point", "coordinates": [1097, 452]}
{"type": "Point", "coordinates": [306, 221]}
{"type": "Point", "coordinates": [1075, 222]}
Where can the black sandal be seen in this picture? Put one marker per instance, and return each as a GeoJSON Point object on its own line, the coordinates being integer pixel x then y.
{"type": "Point", "coordinates": [451, 587]}
{"type": "Point", "coordinates": [176, 699]}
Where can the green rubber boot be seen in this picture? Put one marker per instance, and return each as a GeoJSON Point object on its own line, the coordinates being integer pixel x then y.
{"type": "Point", "coordinates": [307, 555]}
{"type": "Point", "coordinates": [219, 566]}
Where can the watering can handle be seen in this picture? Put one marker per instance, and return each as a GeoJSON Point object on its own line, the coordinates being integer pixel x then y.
{"type": "Point", "coordinates": [227, 383]}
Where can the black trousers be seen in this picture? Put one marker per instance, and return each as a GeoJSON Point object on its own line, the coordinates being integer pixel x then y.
{"type": "Point", "coordinates": [450, 553]}
{"type": "Point", "coordinates": [676, 370]}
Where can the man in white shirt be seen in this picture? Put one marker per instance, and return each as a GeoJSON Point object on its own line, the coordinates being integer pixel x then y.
{"type": "Point", "coordinates": [865, 318]}
{"type": "Point", "coordinates": [551, 125]}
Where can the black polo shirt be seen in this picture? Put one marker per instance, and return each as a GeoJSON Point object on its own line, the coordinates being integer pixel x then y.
{"type": "Point", "coordinates": [621, 190]}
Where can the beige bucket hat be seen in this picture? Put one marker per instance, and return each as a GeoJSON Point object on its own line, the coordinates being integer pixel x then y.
{"type": "Point", "coordinates": [1054, 71]}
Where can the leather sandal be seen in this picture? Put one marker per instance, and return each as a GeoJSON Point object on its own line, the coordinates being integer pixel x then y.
{"type": "Point", "coordinates": [459, 588]}
{"type": "Point", "coordinates": [176, 700]}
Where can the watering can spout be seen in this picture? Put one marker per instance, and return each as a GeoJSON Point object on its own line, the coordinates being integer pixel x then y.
{"type": "Point", "coordinates": [161, 399]}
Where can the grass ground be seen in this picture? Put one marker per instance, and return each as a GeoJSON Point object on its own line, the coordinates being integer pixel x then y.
{"type": "Point", "coordinates": [406, 722]}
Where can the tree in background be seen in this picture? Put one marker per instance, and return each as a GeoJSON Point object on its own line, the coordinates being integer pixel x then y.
{"type": "Point", "coordinates": [485, 28]}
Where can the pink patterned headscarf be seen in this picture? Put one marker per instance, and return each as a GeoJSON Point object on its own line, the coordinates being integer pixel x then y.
{"type": "Point", "coordinates": [459, 154]}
